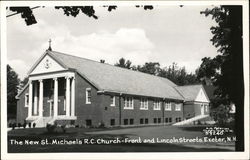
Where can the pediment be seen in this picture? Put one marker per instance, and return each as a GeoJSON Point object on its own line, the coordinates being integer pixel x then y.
{"type": "Point", "coordinates": [202, 97]}
{"type": "Point", "coordinates": [47, 64]}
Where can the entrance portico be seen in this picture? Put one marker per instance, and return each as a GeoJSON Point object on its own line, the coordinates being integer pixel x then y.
{"type": "Point", "coordinates": [36, 101]}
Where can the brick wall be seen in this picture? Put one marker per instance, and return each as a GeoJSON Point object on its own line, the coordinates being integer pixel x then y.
{"type": "Point", "coordinates": [101, 111]}
{"type": "Point", "coordinates": [22, 111]}
{"type": "Point", "coordinates": [137, 116]}
{"type": "Point", "coordinates": [83, 111]}
{"type": "Point", "coordinates": [192, 109]}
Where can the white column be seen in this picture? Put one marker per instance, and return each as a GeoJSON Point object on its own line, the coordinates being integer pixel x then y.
{"type": "Point", "coordinates": [55, 97]}
{"type": "Point", "coordinates": [73, 97]}
{"type": "Point", "coordinates": [41, 98]}
{"type": "Point", "coordinates": [35, 98]}
{"type": "Point", "coordinates": [30, 99]}
{"type": "Point", "coordinates": [67, 96]}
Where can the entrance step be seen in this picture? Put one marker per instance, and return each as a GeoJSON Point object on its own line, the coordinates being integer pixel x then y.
{"type": "Point", "coordinates": [42, 121]}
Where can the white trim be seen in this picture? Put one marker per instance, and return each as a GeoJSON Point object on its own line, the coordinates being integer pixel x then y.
{"type": "Point", "coordinates": [52, 75]}
{"type": "Point", "coordinates": [87, 95]}
{"type": "Point", "coordinates": [26, 100]}
{"type": "Point", "coordinates": [200, 102]}
{"type": "Point", "coordinates": [40, 98]}
{"type": "Point", "coordinates": [55, 106]}
{"type": "Point", "coordinates": [73, 97]}
{"type": "Point", "coordinates": [67, 96]}
{"type": "Point", "coordinates": [32, 118]}
{"type": "Point", "coordinates": [202, 109]}
{"type": "Point", "coordinates": [30, 99]}
{"type": "Point", "coordinates": [128, 103]}
{"type": "Point", "coordinates": [64, 117]}
{"type": "Point", "coordinates": [157, 105]}
{"type": "Point", "coordinates": [177, 106]}
{"type": "Point", "coordinates": [35, 98]}
{"type": "Point", "coordinates": [206, 107]}
{"type": "Point", "coordinates": [113, 101]}
{"type": "Point", "coordinates": [168, 106]}
{"type": "Point", "coordinates": [37, 62]}
{"type": "Point", "coordinates": [202, 93]}
{"type": "Point", "coordinates": [46, 64]}
{"type": "Point", "coordinates": [64, 104]}
{"type": "Point", "coordinates": [144, 104]}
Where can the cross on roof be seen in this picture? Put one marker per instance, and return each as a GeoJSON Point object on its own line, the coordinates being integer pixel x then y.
{"type": "Point", "coordinates": [50, 49]}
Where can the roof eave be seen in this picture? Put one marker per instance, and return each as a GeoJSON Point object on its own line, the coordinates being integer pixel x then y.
{"type": "Point", "coordinates": [124, 93]}
{"type": "Point", "coordinates": [18, 95]}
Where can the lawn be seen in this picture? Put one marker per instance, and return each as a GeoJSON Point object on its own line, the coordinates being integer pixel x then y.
{"type": "Point", "coordinates": [134, 139]}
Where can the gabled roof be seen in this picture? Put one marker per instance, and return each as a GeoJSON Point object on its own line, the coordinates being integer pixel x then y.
{"type": "Point", "coordinates": [210, 91]}
{"type": "Point", "coordinates": [116, 79]}
{"type": "Point", "coordinates": [40, 59]}
{"type": "Point", "coordinates": [190, 92]}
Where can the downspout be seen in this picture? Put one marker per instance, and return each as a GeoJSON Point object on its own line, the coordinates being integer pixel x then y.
{"type": "Point", "coordinates": [184, 118]}
{"type": "Point", "coordinates": [163, 115]}
{"type": "Point", "coordinates": [120, 110]}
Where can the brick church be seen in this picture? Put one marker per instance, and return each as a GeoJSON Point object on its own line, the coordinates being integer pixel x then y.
{"type": "Point", "coordinates": [67, 89]}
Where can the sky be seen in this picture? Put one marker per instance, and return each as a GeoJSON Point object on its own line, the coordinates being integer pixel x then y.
{"type": "Point", "coordinates": [165, 34]}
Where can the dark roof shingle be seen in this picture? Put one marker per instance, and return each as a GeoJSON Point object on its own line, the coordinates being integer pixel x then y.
{"type": "Point", "coordinates": [189, 92]}
{"type": "Point", "coordinates": [115, 79]}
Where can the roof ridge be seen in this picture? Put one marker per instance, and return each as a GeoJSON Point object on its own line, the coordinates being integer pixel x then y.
{"type": "Point", "coordinates": [114, 66]}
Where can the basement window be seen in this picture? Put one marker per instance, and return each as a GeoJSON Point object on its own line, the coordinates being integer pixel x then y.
{"type": "Point", "coordinates": [159, 120]}
{"type": "Point", "coordinates": [112, 122]}
{"type": "Point", "coordinates": [88, 122]}
{"type": "Point", "coordinates": [170, 120]}
{"type": "Point", "coordinates": [125, 121]}
{"type": "Point", "coordinates": [166, 120]}
{"type": "Point", "coordinates": [155, 120]}
{"type": "Point", "coordinates": [131, 121]}
{"type": "Point", "coordinates": [141, 121]}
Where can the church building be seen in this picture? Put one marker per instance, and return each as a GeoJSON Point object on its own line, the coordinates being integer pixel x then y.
{"type": "Point", "coordinates": [66, 89]}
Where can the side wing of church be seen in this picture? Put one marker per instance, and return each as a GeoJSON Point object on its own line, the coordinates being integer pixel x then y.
{"type": "Point", "coordinates": [65, 89]}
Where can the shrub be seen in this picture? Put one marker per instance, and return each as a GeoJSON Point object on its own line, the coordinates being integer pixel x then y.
{"type": "Point", "coordinates": [72, 122]}
{"type": "Point", "coordinates": [198, 122]}
{"type": "Point", "coordinates": [63, 128]}
{"type": "Point", "coordinates": [19, 125]}
{"type": "Point", "coordinates": [29, 125]}
{"type": "Point", "coordinates": [101, 125]}
{"type": "Point", "coordinates": [13, 125]}
{"type": "Point", "coordinates": [24, 125]}
{"type": "Point", "coordinates": [50, 128]}
{"type": "Point", "coordinates": [34, 125]}
{"type": "Point", "coordinates": [221, 114]}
